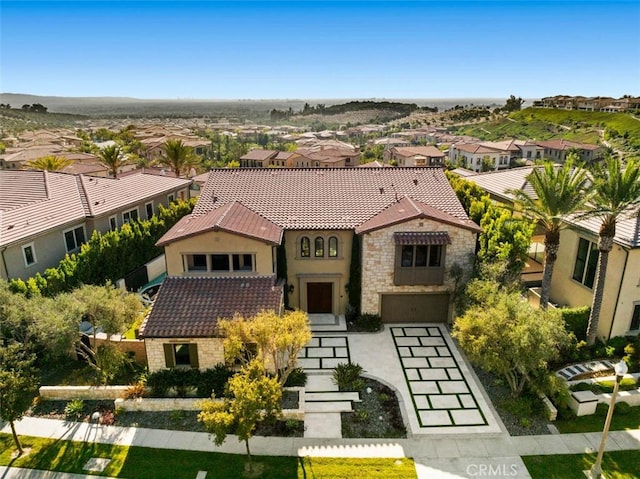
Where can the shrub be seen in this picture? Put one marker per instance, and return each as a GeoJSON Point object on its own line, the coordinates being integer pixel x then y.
{"type": "Point", "coordinates": [74, 409]}
{"type": "Point", "coordinates": [159, 382]}
{"type": "Point", "coordinates": [297, 377]}
{"type": "Point", "coordinates": [213, 381]}
{"type": "Point", "coordinates": [346, 375]}
{"type": "Point", "coordinates": [368, 322]}
{"type": "Point", "coordinates": [601, 409]}
{"type": "Point", "coordinates": [632, 355]}
{"type": "Point", "coordinates": [136, 390]}
{"type": "Point", "coordinates": [183, 380]}
{"type": "Point", "coordinates": [576, 321]}
{"type": "Point", "coordinates": [617, 345]}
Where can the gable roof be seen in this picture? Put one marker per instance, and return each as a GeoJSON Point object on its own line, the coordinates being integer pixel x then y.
{"type": "Point", "coordinates": [259, 155]}
{"type": "Point", "coordinates": [627, 228]}
{"type": "Point", "coordinates": [233, 217]}
{"type": "Point", "coordinates": [497, 182]}
{"type": "Point", "coordinates": [475, 148]}
{"type": "Point", "coordinates": [407, 209]}
{"type": "Point", "coordinates": [562, 144]}
{"type": "Point", "coordinates": [328, 198]}
{"type": "Point", "coordinates": [409, 151]}
{"type": "Point", "coordinates": [191, 306]}
{"type": "Point", "coordinates": [32, 202]}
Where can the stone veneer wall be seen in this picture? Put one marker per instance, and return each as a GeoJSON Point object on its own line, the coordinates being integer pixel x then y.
{"type": "Point", "coordinates": [378, 260]}
{"type": "Point", "coordinates": [210, 351]}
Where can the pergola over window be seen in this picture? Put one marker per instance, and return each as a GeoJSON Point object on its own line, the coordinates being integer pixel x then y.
{"type": "Point", "coordinates": [420, 257]}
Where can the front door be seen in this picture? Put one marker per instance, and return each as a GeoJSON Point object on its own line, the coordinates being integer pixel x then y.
{"type": "Point", "coordinates": [319, 297]}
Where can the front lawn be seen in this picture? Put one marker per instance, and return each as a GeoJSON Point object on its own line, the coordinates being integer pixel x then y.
{"type": "Point", "coordinates": [615, 465]}
{"type": "Point", "coordinates": [148, 463]}
{"type": "Point", "coordinates": [620, 421]}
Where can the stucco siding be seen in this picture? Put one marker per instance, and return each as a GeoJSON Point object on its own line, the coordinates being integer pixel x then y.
{"type": "Point", "coordinates": [301, 270]}
{"type": "Point", "coordinates": [379, 253]}
{"type": "Point", "coordinates": [565, 291]}
{"type": "Point", "coordinates": [218, 242]}
{"type": "Point", "coordinates": [210, 351]}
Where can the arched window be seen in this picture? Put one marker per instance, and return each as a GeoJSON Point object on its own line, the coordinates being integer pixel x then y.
{"type": "Point", "coordinates": [305, 247]}
{"type": "Point", "coordinates": [319, 247]}
{"type": "Point", "coordinates": [333, 247]}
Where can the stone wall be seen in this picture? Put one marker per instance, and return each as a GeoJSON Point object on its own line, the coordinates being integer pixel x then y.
{"type": "Point", "coordinates": [378, 260]}
{"type": "Point", "coordinates": [210, 351]}
{"type": "Point", "coordinates": [133, 346]}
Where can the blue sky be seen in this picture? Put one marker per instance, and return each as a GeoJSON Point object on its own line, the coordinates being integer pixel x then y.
{"type": "Point", "coordinates": [362, 49]}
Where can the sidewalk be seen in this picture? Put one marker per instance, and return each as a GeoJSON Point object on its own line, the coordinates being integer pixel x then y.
{"type": "Point", "coordinates": [446, 456]}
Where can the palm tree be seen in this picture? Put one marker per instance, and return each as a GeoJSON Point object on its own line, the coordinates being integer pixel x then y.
{"type": "Point", "coordinates": [559, 192]}
{"type": "Point", "coordinates": [49, 163]}
{"type": "Point", "coordinates": [177, 156]}
{"type": "Point", "coordinates": [113, 158]}
{"type": "Point", "coordinates": [616, 195]}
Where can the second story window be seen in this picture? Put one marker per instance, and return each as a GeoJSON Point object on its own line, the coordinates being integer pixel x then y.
{"type": "Point", "coordinates": [584, 270]}
{"type": "Point", "coordinates": [74, 238]}
{"type": "Point", "coordinates": [219, 263]}
{"type": "Point", "coordinates": [29, 254]}
{"type": "Point", "coordinates": [129, 216]}
{"type": "Point", "coordinates": [319, 247]}
{"type": "Point", "coordinates": [149, 210]}
{"type": "Point", "coordinates": [113, 225]}
{"type": "Point", "coordinates": [305, 247]}
{"type": "Point", "coordinates": [420, 258]}
{"type": "Point", "coordinates": [333, 247]}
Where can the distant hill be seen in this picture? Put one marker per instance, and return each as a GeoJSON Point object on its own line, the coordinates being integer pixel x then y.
{"type": "Point", "coordinates": [241, 108]}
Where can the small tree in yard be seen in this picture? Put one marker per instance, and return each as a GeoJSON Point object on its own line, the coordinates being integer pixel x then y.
{"type": "Point", "coordinates": [277, 339]}
{"type": "Point", "coordinates": [18, 385]}
{"type": "Point", "coordinates": [255, 398]}
{"type": "Point", "coordinates": [509, 337]}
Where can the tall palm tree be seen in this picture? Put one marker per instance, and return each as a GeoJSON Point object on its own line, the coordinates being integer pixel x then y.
{"type": "Point", "coordinates": [559, 192]}
{"type": "Point", "coordinates": [616, 195]}
{"type": "Point", "coordinates": [113, 158]}
{"type": "Point", "coordinates": [177, 156]}
{"type": "Point", "coordinates": [49, 163]}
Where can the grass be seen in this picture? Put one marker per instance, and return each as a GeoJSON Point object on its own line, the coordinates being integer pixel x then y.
{"type": "Point", "coordinates": [615, 464]}
{"type": "Point", "coordinates": [595, 422]}
{"type": "Point", "coordinates": [148, 463]}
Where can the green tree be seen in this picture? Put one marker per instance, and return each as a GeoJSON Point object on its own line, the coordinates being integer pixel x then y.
{"type": "Point", "coordinates": [513, 104]}
{"type": "Point", "coordinates": [507, 336]}
{"type": "Point", "coordinates": [49, 163]}
{"type": "Point", "coordinates": [558, 192]}
{"type": "Point", "coordinates": [112, 311]}
{"type": "Point", "coordinates": [277, 339]}
{"type": "Point", "coordinates": [255, 398]}
{"type": "Point", "coordinates": [177, 156]}
{"type": "Point", "coordinates": [18, 385]}
{"type": "Point", "coordinates": [113, 158]}
{"type": "Point", "coordinates": [616, 195]}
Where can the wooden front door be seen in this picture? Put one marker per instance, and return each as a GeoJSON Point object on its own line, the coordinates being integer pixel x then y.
{"type": "Point", "coordinates": [319, 297]}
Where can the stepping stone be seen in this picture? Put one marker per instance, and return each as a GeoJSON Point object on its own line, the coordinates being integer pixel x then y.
{"type": "Point", "coordinates": [325, 407]}
{"type": "Point", "coordinates": [319, 383]}
{"type": "Point", "coordinates": [331, 396]}
{"type": "Point", "coordinates": [97, 464]}
{"type": "Point", "coordinates": [201, 475]}
{"type": "Point", "coordinates": [323, 425]}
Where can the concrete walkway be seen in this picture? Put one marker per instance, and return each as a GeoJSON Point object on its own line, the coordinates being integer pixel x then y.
{"type": "Point", "coordinates": [445, 456]}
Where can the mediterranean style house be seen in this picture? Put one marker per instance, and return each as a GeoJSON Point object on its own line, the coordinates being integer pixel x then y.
{"type": "Point", "coordinates": [403, 228]}
{"type": "Point", "coordinates": [575, 269]}
{"type": "Point", "coordinates": [45, 215]}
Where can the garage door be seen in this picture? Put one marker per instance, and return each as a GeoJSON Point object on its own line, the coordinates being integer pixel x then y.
{"type": "Point", "coordinates": [415, 308]}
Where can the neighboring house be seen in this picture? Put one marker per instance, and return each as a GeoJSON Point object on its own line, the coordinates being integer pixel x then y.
{"type": "Point", "coordinates": [598, 103]}
{"type": "Point", "coordinates": [222, 258]}
{"type": "Point", "coordinates": [556, 150]}
{"type": "Point", "coordinates": [45, 215]}
{"type": "Point", "coordinates": [267, 158]}
{"type": "Point", "coordinates": [472, 156]}
{"type": "Point", "coordinates": [415, 156]}
{"type": "Point", "coordinates": [575, 270]}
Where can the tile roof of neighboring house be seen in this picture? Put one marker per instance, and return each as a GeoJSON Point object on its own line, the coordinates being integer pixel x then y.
{"type": "Point", "coordinates": [374, 164]}
{"type": "Point", "coordinates": [566, 145]}
{"type": "Point", "coordinates": [32, 202]}
{"type": "Point", "coordinates": [475, 148]}
{"type": "Point", "coordinates": [328, 198]}
{"type": "Point", "coordinates": [33, 153]}
{"type": "Point", "coordinates": [259, 155]}
{"type": "Point", "coordinates": [428, 151]}
{"type": "Point", "coordinates": [497, 182]}
{"type": "Point", "coordinates": [284, 155]}
{"type": "Point", "coordinates": [627, 228]}
{"type": "Point", "coordinates": [85, 168]}
{"type": "Point", "coordinates": [407, 209]}
{"type": "Point", "coordinates": [233, 217]}
{"type": "Point", "coordinates": [109, 194]}
{"type": "Point", "coordinates": [191, 306]}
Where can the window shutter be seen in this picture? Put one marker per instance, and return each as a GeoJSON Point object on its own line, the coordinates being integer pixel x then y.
{"type": "Point", "coordinates": [169, 359]}
{"type": "Point", "coordinates": [193, 356]}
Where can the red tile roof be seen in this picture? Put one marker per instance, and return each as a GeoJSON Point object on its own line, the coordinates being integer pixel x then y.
{"type": "Point", "coordinates": [566, 145]}
{"type": "Point", "coordinates": [189, 307]}
{"type": "Point", "coordinates": [233, 218]}
{"type": "Point", "coordinates": [328, 198]}
{"type": "Point", "coordinates": [422, 237]}
{"type": "Point", "coordinates": [259, 155]}
{"type": "Point", "coordinates": [407, 209]}
{"type": "Point", "coordinates": [409, 151]}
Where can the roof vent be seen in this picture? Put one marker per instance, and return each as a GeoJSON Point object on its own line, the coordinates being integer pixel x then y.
{"type": "Point", "coordinates": [415, 181]}
{"type": "Point", "coordinates": [381, 190]}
